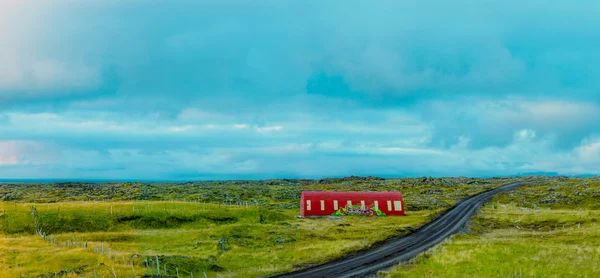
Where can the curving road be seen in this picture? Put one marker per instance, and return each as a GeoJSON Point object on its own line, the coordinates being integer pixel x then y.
{"type": "Point", "coordinates": [367, 262]}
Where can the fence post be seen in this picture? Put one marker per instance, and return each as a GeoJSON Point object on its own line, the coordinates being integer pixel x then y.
{"type": "Point", "coordinates": [158, 264]}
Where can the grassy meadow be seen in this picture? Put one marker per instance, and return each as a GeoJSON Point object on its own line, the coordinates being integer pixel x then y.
{"type": "Point", "coordinates": [545, 230]}
{"type": "Point", "coordinates": [217, 229]}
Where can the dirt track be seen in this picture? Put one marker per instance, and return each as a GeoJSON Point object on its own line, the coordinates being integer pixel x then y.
{"type": "Point", "coordinates": [367, 262]}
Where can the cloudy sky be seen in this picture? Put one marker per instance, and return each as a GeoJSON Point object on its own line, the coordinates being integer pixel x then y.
{"type": "Point", "coordinates": [239, 89]}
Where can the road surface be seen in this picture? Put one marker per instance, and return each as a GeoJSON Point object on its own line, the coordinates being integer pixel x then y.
{"type": "Point", "coordinates": [367, 262]}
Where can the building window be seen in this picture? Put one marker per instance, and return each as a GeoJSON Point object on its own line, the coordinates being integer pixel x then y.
{"type": "Point", "coordinates": [397, 205]}
{"type": "Point", "coordinates": [322, 205]}
{"type": "Point", "coordinates": [389, 205]}
{"type": "Point", "coordinates": [349, 203]}
{"type": "Point", "coordinates": [335, 205]}
{"type": "Point", "coordinates": [307, 204]}
{"type": "Point", "coordinates": [376, 204]}
{"type": "Point", "coordinates": [362, 204]}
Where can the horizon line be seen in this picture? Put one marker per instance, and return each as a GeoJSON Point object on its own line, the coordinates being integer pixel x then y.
{"type": "Point", "coordinates": [4, 180]}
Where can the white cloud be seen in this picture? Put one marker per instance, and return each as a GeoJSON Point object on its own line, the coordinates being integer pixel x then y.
{"type": "Point", "coordinates": [268, 129]}
{"type": "Point", "coordinates": [589, 151]}
{"type": "Point", "coordinates": [517, 110]}
{"type": "Point", "coordinates": [525, 135]}
{"type": "Point", "coordinates": [13, 152]}
{"type": "Point", "coordinates": [46, 77]}
{"type": "Point", "coordinates": [495, 122]}
{"type": "Point", "coordinates": [399, 151]}
{"type": "Point", "coordinates": [181, 128]}
{"type": "Point", "coordinates": [29, 68]}
{"type": "Point", "coordinates": [562, 112]}
{"type": "Point", "coordinates": [8, 159]}
{"type": "Point", "coordinates": [463, 143]}
{"type": "Point", "coordinates": [52, 123]}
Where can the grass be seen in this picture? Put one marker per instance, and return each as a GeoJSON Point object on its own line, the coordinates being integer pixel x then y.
{"type": "Point", "coordinates": [547, 230]}
{"type": "Point", "coordinates": [209, 237]}
{"type": "Point", "coordinates": [184, 235]}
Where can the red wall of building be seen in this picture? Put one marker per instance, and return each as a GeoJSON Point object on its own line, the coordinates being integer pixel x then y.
{"type": "Point", "coordinates": [323, 203]}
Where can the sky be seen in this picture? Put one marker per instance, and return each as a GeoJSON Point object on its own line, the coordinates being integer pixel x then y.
{"type": "Point", "coordinates": [239, 89]}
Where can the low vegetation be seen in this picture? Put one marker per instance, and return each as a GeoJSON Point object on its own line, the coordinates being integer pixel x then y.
{"type": "Point", "coordinates": [420, 193]}
{"type": "Point", "coordinates": [230, 229]}
{"type": "Point", "coordinates": [541, 230]}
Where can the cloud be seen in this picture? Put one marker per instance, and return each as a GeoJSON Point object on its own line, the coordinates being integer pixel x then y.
{"type": "Point", "coordinates": [268, 128]}
{"type": "Point", "coordinates": [8, 160]}
{"type": "Point", "coordinates": [181, 128]}
{"type": "Point", "coordinates": [394, 69]}
{"type": "Point", "coordinates": [492, 122]}
{"type": "Point", "coordinates": [47, 74]}
{"type": "Point", "coordinates": [589, 151]}
{"type": "Point", "coordinates": [39, 66]}
{"type": "Point", "coordinates": [18, 152]}
{"type": "Point", "coordinates": [525, 135]}
{"type": "Point", "coordinates": [52, 73]}
{"type": "Point", "coordinates": [463, 89]}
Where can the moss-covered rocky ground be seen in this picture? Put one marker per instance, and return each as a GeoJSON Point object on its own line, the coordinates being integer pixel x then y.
{"type": "Point", "coordinates": [548, 229]}
{"type": "Point", "coordinates": [212, 228]}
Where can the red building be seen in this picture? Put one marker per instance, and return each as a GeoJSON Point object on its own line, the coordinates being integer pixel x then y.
{"type": "Point", "coordinates": [317, 203]}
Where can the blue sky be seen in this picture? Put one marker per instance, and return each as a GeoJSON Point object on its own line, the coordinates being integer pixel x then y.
{"type": "Point", "coordinates": [236, 89]}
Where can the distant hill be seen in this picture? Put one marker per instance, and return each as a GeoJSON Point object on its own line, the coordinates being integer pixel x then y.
{"type": "Point", "coordinates": [548, 174]}
{"type": "Point", "coordinates": [554, 174]}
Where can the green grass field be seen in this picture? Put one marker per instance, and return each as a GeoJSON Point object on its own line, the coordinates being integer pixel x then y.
{"type": "Point", "coordinates": [185, 236]}
{"type": "Point", "coordinates": [547, 230]}
{"type": "Point", "coordinates": [192, 235]}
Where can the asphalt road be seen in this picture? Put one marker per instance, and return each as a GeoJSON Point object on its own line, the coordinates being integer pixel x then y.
{"type": "Point", "coordinates": [382, 256]}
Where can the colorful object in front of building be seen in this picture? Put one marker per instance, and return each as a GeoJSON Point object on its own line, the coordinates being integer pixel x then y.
{"type": "Point", "coordinates": [358, 211]}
